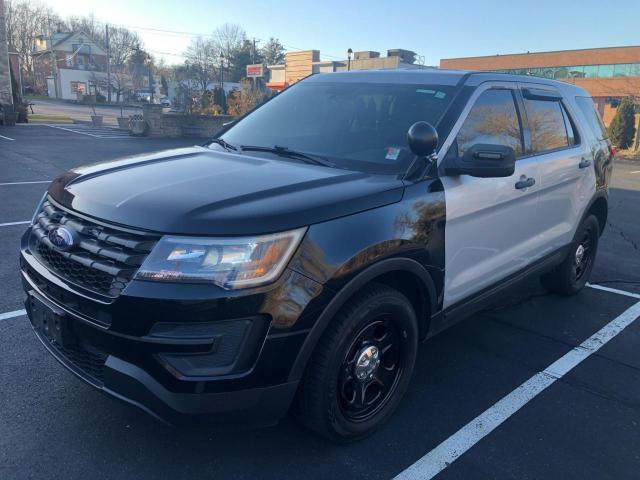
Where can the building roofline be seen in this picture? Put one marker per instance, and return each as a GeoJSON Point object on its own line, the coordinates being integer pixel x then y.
{"type": "Point", "coordinates": [540, 53]}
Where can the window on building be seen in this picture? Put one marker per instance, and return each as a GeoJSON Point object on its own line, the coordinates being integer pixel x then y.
{"type": "Point", "coordinates": [493, 119]}
{"type": "Point", "coordinates": [79, 87]}
{"type": "Point", "coordinates": [546, 124]}
{"type": "Point", "coordinates": [593, 118]}
{"type": "Point", "coordinates": [605, 71]}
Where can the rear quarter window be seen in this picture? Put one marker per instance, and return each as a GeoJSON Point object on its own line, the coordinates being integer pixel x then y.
{"type": "Point", "coordinates": [593, 118]}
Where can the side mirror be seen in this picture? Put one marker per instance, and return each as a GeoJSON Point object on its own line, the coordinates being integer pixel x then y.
{"type": "Point", "coordinates": [484, 161]}
{"type": "Point", "coordinates": [422, 139]}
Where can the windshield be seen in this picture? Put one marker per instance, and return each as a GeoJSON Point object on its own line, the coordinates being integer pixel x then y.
{"type": "Point", "coordinates": [357, 126]}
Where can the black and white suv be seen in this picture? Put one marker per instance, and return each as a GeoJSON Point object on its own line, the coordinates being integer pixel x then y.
{"type": "Point", "coordinates": [299, 257]}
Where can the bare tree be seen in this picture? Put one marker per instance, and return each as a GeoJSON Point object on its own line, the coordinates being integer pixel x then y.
{"type": "Point", "coordinates": [201, 61]}
{"type": "Point", "coordinates": [228, 39]}
{"type": "Point", "coordinates": [25, 21]}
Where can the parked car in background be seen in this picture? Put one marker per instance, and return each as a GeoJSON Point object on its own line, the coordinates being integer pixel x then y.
{"type": "Point", "coordinates": [298, 260]}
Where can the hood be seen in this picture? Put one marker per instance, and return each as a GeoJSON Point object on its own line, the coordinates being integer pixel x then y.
{"type": "Point", "coordinates": [206, 192]}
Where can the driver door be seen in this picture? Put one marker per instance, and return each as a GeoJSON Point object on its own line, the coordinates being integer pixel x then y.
{"type": "Point", "coordinates": [491, 230]}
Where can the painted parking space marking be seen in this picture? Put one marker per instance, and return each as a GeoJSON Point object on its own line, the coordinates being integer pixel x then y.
{"type": "Point", "coordinates": [95, 132]}
{"type": "Point", "coordinates": [9, 224]}
{"type": "Point", "coordinates": [14, 314]}
{"type": "Point", "coordinates": [8, 138]}
{"type": "Point", "coordinates": [613, 290]}
{"type": "Point", "coordinates": [23, 183]}
{"type": "Point", "coordinates": [456, 445]}
{"type": "Point", "coordinates": [636, 171]}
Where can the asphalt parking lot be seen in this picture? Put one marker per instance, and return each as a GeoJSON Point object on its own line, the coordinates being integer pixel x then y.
{"type": "Point", "coordinates": [540, 386]}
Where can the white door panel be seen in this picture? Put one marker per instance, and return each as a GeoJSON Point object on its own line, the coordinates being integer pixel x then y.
{"type": "Point", "coordinates": [490, 230]}
{"type": "Point", "coordinates": [565, 191]}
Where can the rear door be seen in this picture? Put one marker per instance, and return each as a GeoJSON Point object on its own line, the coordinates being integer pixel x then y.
{"type": "Point", "coordinates": [491, 229]}
{"type": "Point", "coordinates": [567, 175]}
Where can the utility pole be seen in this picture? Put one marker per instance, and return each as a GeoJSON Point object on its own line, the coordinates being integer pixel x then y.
{"type": "Point", "coordinates": [53, 60]}
{"type": "Point", "coordinates": [106, 27]}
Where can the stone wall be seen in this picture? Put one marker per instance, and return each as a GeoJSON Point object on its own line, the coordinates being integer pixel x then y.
{"type": "Point", "coordinates": [5, 78]}
{"type": "Point", "coordinates": [179, 125]}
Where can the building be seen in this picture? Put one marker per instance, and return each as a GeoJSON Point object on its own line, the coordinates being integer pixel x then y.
{"type": "Point", "coordinates": [298, 65]}
{"type": "Point", "coordinates": [608, 74]}
{"type": "Point", "coordinates": [68, 65]}
{"type": "Point", "coordinates": [6, 97]}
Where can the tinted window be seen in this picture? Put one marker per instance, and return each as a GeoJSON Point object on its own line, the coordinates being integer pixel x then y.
{"type": "Point", "coordinates": [546, 123]}
{"type": "Point", "coordinates": [593, 119]}
{"type": "Point", "coordinates": [359, 126]}
{"type": "Point", "coordinates": [571, 134]}
{"type": "Point", "coordinates": [493, 119]}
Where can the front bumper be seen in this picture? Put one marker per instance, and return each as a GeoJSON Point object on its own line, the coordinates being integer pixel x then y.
{"type": "Point", "coordinates": [169, 372]}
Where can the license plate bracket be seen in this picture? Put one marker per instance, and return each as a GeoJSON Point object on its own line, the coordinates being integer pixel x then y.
{"type": "Point", "coordinates": [49, 321]}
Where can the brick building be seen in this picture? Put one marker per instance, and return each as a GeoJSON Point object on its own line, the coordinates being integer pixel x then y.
{"type": "Point", "coordinates": [5, 77]}
{"type": "Point", "coordinates": [79, 69]}
{"type": "Point", "coordinates": [298, 65]}
{"type": "Point", "coordinates": [608, 74]}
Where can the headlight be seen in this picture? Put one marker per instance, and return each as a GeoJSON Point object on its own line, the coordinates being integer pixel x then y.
{"type": "Point", "coordinates": [230, 263]}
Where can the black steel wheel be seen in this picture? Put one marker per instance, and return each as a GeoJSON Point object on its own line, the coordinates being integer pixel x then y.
{"type": "Point", "coordinates": [370, 370]}
{"type": "Point", "coordinates": [361, 366]}
{"type": "Point", "coordinates": [572, 274]}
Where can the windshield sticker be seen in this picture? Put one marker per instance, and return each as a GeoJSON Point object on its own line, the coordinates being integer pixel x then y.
{"type": "Point", "coordinates": [392, 153]}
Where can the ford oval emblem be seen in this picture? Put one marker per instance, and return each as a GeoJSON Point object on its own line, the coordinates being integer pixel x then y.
{"type": "Point", "coordinates": [63, 238]}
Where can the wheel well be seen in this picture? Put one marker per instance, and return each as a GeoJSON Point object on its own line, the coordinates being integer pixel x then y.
{"type": "Point", "coordinates": [412, 287]}
{"type": "Point", "coordinates": [600, 210]}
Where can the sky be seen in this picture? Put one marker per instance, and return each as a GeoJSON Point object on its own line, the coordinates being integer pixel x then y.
{"type": "Point", "coordinates": [433, 29]}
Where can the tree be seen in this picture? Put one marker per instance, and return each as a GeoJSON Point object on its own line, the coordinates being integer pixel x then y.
{"type": "Point", "coordinates": [201, 61]}
{"type": "Point", "coordinates": [25, 20]}
{"type": "Point", "coordinates": [242, 57]}
{"type": "Point", "coordinates": [273, 52]}
{"type": "Point", "coordinates": [622, 128]}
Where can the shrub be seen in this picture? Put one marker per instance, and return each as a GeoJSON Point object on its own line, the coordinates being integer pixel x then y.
{"type": "Point", "coordinates": [622, 128]}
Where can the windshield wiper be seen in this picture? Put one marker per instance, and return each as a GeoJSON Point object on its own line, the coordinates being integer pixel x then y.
{"type": "Point", "coordinates": [287, 152]}
{"type": "Point", "coordinates": [224, 144]}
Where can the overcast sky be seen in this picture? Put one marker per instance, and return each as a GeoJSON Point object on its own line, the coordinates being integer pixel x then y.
{"type": "Point", "coordinates": [433, 29]}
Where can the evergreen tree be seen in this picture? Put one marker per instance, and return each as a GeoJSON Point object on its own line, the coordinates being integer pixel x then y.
{"type": "Point", "coordinates": [622, 128]}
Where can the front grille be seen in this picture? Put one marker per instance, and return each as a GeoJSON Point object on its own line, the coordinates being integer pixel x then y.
{"type": "Point", "coordinates": [103, 260]}
{"type": "Point", "coordinates": [85, 357]}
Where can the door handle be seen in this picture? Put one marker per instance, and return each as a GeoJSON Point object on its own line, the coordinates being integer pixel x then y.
{"type": "Point", "coordinates": [525, 183]}
{"type": "Point", "coordinates": [584, 163]}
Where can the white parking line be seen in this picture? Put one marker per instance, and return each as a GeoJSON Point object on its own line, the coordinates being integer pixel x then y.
{"type": "Point", "coordinates": [453, 447]}
{"type": "Point", "coordinates": [7, 138]}
{"type": "Point", "coordinates": [614, 290]}
{"type": "Point", "coordinates": [24, 183]}
{"type": "Point", "coordinates": [636, 171]}
{"type": "Point", "coordinates": [8, 224]}
{"type": "Point", "coordinates": [15, 313]}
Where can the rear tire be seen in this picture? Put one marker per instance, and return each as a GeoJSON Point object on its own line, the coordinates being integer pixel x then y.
{"type": "Point", "coordinates": [361, 367]}
{"type": "Point", "coordinates": [572, 274]}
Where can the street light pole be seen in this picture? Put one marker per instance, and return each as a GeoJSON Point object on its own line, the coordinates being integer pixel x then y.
{"type": "Point", "coordinates": [349, 53]}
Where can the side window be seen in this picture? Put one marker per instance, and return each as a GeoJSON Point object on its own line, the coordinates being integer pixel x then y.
{"type": "Point", "coordinates": [547, 125]}
{"type": "Point", "coordinates": [493, 119]}
{"type": "Point", "coordinates": [595, 122]}
{"type": "Point", "coordinates": [572, 135]}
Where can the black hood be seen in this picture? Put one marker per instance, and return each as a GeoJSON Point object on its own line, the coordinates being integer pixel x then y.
{"type": "Point", "coordinates": [201, 191]}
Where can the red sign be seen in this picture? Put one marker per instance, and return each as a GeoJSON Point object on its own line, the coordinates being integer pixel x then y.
{"type": "Point", "coordinates": [255, 71]}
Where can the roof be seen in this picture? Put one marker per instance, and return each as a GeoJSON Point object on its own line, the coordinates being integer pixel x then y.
{"type": "Point", "coordinates": [435, 76]}
{"type": "Point", "coordinates": [542, 53]}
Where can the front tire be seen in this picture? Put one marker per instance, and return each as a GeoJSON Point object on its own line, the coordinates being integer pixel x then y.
{"type": "Point", "coordinates": [361, 366]}
{"type": "Point", "coordinates": [572, 274]}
